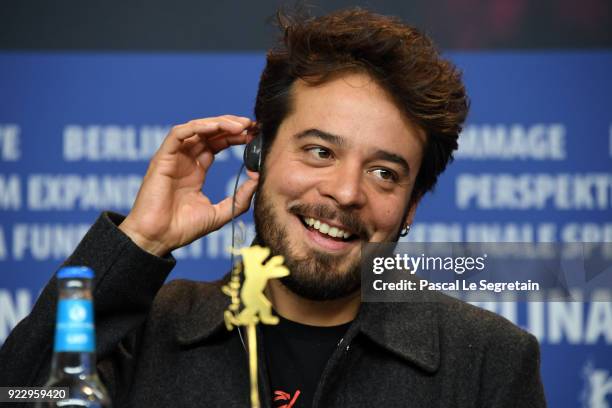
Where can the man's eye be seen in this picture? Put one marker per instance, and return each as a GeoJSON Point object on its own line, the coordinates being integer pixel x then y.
{"type": "Point", "coordinates": [320, 152]}
{"type": "Point", "coordinates": [385, 174]}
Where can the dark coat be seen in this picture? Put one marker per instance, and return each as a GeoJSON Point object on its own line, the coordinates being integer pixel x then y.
{"type": "Point", "coordinates": [167, 346]}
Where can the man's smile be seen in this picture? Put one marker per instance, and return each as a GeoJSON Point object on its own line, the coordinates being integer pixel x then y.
{"type": "Point", "coordinates": [327, 228]}
{"type": "Point", "coordinates": [327, 236]}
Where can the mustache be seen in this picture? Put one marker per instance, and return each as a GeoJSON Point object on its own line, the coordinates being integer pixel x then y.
{"type": "Point", "coordinates": [348, 219]}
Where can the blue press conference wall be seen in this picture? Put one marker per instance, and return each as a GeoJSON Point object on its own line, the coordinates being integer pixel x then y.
{"type": "Point", "coordinates": [76, 132]}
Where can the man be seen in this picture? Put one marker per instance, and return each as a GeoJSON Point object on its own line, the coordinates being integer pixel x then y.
{"type": "Point", "coordinates": [359, 116]}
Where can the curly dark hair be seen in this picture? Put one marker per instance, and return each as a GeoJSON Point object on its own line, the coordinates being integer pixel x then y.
{"type": "Point", "coordinates": [426, 87]}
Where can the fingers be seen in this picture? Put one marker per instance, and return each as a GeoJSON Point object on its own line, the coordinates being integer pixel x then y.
{"type": "Point", "coordinates": [252, 174]}
{"type": "Point", "coordinates": [223, 141]}
{"type": "Point", "coordinates": [205, 159]}
{"type": "Point", "coordinates": [204, 151]}
{"type": "Point", "coordinates": [215, 143]}
{"type": "Point", "coordinates": [206, 129]}
{"type": "Point", "coordinates": [223, 209]}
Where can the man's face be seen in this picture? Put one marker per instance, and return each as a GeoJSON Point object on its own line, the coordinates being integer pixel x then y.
{"type": "Point", "coordinates": [343, 163]}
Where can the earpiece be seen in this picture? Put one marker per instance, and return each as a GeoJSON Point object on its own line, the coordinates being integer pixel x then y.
{"type": "Point", "coordinates": [252, 161]}
{"type": "Point", "coordinates": [252, 154]}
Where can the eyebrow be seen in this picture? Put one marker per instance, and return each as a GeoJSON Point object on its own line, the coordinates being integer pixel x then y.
{"type": "Point", "coordinates": [341, 142]}
{"type": "Point", "coordinates": [393, 158]}
{"type": "Point", "coordinates": [328, 137]}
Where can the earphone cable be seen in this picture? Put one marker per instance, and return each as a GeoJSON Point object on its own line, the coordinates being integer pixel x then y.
{"type": "Point", "coordinates": [234, 237]}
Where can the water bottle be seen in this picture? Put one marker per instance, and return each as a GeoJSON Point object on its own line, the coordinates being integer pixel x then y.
{"type": "Point", "coordinates": [74, 352]}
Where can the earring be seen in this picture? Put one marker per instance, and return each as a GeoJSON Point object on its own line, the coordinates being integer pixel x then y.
{"type": "Point", "coordinates": [405, 231]}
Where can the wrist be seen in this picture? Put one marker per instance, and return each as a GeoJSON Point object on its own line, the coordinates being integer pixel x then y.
{"type": "Point", "coordinates": [154, 247]}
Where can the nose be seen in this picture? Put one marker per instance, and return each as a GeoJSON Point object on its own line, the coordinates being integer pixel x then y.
{"type": "Point", "coordinates": [344, 185]}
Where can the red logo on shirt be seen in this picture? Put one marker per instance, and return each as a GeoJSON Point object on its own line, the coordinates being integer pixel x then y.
{"type": "Point", "coordinates": [283, 396]}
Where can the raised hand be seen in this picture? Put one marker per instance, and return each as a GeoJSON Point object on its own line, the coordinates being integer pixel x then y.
{"type": "Point", "coordinates": [170, 210]}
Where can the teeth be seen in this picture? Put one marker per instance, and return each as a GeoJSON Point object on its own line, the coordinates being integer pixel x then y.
{"type": "Point", "coordinates": [326, 229]}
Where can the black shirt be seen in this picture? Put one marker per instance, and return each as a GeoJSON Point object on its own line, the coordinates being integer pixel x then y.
{"type": "Point", "coordinates": [296, 355]}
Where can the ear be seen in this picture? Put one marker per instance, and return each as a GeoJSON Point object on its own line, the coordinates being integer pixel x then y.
{"type": "Point", "coordinates": [408, 219]}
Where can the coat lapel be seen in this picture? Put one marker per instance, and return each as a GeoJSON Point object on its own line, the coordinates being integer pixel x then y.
{"type": "Point", "coordinates": [407, 329]}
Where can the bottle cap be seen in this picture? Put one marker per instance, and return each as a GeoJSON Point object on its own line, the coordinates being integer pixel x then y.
{"type": "Point", "coordinates": [76, 272]}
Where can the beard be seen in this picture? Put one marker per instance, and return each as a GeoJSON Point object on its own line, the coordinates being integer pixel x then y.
{"type": "Point", "coordinates": [314, 275]}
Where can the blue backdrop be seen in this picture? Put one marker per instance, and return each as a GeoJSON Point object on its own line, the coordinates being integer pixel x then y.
{"type": "Point", "coordinates": [77, 130]}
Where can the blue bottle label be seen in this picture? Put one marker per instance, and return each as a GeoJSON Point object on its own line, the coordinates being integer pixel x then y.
{"type": "Point", "coordinates": [74, 331]}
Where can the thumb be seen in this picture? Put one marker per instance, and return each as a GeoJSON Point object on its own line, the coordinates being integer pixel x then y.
{"type": "Point", "coordinates": [242, 199]}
